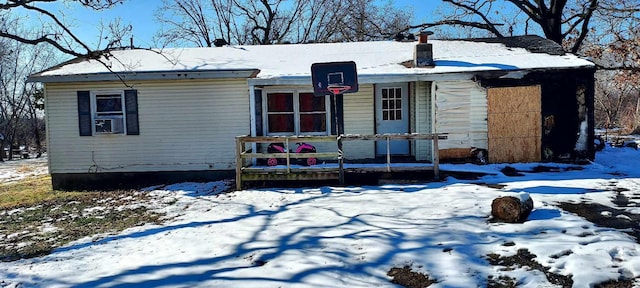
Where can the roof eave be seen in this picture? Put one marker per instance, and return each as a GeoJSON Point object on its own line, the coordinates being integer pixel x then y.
{"type": "Point", "coordinates": [410, 77]}
{"type": "Point", "coordinates": [152, 75]}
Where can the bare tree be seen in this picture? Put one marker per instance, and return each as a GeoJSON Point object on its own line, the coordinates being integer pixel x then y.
{"type": "Point", "coordinates": [186, 21]}
{"type": "Point", "coordinates": [262, 22]}
{"type": "Point", "coordinates": [364, 20]}
{"type": "Point", "coordinates": [54, 31]}
{"type": "Point", "coordinates": [615, 48]}
{"type": "Point", "coordinates": [565, 22]}
{"type": "Point", "coordinates": [20, 110]}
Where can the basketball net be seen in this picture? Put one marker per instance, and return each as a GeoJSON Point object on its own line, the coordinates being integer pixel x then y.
{"type": "Point", "coordinates": [338, 89]}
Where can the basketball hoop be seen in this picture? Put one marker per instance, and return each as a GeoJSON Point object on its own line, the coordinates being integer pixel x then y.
{"type": "Point", "coordinates": [338, 89]}
{"type": "Point", "coordinates": [334, 78]}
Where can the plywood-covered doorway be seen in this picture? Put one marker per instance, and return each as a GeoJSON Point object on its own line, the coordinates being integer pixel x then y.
{"type": "Point", "coordinates": [514, 124]}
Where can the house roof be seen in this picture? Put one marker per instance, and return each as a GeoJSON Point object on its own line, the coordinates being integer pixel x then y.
{"type": "Point", "coordinates": [290, 63]}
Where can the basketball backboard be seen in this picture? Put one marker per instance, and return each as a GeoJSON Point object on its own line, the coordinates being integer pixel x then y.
{"type": "Point", "coordinates": [334, 78]}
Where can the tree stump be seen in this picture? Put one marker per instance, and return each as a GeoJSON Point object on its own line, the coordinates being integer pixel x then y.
{"type": "Point", "coordinates": [512, 209]}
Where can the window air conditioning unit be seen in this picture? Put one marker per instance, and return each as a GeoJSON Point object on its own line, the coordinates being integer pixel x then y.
{"type": "Point", "coordinates": [111, 125]}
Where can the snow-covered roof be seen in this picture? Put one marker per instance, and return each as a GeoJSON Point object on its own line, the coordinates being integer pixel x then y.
{"type": "Point", "coordinates": [290, 61]}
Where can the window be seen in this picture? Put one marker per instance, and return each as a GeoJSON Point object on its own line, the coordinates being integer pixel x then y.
{"type": "Point", "coordinates": [296, 113]}
{"type": "Point", "coordinates": [280, 113]}
{"type": "Point", "coordinates": [391, 104]}
{"type": "Point", "coordinates": [110, 112]}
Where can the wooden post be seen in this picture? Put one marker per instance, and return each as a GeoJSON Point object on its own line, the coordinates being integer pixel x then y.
{"type": "Point", "coordinates": [340, 161]}
{"type": "Point", "coordinates": [436, 158]}
{"type": "Point", "coordinates": [286, 146]}
{"type": "Point", "coordinates": [239, 162]}
{"type": "Point", "coordinates": [388, 154]}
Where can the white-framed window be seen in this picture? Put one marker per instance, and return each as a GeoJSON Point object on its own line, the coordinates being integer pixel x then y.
{"type": "Point", "coordinates": [392, 103]}
{"type": "Point", "coordinates": [108, 112]}
{"type": "Point", "coordinates": [296, 113]}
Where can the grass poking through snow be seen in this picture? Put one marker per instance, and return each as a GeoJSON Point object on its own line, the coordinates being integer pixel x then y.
{"type": "Point", "coordinates": [34, 219]}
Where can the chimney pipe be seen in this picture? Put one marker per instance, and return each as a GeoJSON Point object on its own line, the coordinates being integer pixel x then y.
{"type": "Point", "coordinates": [423, 54]}
{"type": "Point", "coordinates": [424, 36]}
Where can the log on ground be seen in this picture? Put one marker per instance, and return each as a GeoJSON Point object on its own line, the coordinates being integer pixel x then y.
{"type": "Point", "coordinates": [512, 209]}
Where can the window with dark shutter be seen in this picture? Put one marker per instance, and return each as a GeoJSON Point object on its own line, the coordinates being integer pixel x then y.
{"type": "Point", "coordinates": [131, 107]}
{"type": "Point", "coordinates": [84, 113]}
{"type": "Point", "coordinates": [108, 112]}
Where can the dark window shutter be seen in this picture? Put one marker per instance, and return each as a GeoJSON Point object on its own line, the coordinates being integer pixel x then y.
{"type": "Point", "coordinates": [84, 113]}
{"type": "Point", "coordinates": [258, 106]}
{"type": "Point", "coordinates": [131, 108]}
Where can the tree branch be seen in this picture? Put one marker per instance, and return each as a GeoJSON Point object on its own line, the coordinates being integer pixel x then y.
{"type": "Point", "coordinates": [483, 26]}
{"type": "Point", "coordinates": [487, 26]}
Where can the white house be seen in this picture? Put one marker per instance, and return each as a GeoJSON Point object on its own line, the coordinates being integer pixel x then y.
{"type": "Point", "coordinates": [163, 115]}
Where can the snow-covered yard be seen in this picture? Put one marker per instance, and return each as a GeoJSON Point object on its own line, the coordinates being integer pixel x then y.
{"type": "Point", "coordinates": [19, 169]}
{"type": "Point", "coordinates": [351, 236]}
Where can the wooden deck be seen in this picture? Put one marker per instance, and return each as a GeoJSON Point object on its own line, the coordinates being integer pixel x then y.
{"type": "Point", "coordinates": [247, 170]}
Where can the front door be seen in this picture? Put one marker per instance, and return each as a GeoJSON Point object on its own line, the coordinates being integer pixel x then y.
{"type": "Point", "coordinates": [392, 116]}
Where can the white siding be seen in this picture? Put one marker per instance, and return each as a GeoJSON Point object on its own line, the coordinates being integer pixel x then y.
{"type": "Point", "coordinates": [359, 117]}
{"type": "Point", "coordinates": [479, 130]}
{"type": "Point", "coordinates": [184, 125]}
{"type": "Point", "coordinates": [423, 148]}
{"type": "Point", "coordinates": [461, 111]}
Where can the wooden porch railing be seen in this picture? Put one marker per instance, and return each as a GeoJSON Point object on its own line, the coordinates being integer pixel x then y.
{"type": "Point", "coordinates": [247, 172]}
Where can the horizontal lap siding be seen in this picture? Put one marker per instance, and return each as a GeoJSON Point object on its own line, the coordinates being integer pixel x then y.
{"type": "Point", "coordinates": [423, 120]}
{"type": "Point", "coordinates": [461, 111]}
{"type": "Point", "coordinates": [184, 125]}
{"type": "Point", "coordinates": [478, 134]}
{"type": "Point", "coordinates": [359, 119]}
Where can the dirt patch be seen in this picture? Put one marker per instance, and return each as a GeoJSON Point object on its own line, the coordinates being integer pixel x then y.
{"type": "Point", "coordinates": [513, 172]}
{"type": "Point", "coordinates": [501, 282]}
{"type": "Point", "coordinates": [605, 216]}
{"type": "Point", "coordinates": [406, 277]}
{"type": "Point", "coordinates": [524, 258]}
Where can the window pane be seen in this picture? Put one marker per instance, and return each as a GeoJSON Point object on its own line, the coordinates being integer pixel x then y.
{"type": "Point", "coordinates": [280, 102]}
{"type": "Point", "coordinates": [311, 103]}
{"type": "Point", "coordinates": [108, 103]}
{"type": "Point", "coordinates": [385, 115]}
{"type": "Point", "coordinates": [398, 115]}
{"type": "Point", "coordinates": [280, 123]}
{"type": "Point", "coordinates": [313, 122]}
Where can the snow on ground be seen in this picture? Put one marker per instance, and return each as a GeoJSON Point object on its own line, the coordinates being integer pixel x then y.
{"type": "Point", "coordinates": [19, 169]}
{"type": "Point", "coordinates": [351, 236]}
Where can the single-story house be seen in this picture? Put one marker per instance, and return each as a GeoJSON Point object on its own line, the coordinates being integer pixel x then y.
{"type": "Point", "coordinates": [174, 113]}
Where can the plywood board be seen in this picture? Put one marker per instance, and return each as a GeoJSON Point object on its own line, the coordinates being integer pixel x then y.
{"type": "Point", "coordinates": [514, 124]}
{"type": "Point", "coordinates": [454, 153]}
{"type": "Point", "coordinates": [514, 99]}
{"type": "Point", "coordinates": [514, 150]}
{"type": "Point", "coordinates": [524, 124]}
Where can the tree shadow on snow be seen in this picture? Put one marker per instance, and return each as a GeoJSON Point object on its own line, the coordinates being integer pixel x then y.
{"type": "Point", "coordinates": [338, 240]}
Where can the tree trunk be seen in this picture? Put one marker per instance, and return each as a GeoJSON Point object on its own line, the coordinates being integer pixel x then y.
{"type": "Point", "coordinates": [512, 209]}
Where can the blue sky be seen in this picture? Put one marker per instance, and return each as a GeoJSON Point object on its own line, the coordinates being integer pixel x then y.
{"type": "Point", "coordinates": [139, 13]}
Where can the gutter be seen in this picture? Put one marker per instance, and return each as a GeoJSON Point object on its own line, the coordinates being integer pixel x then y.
{"type": "Point", "coordinates": [138, 76]}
